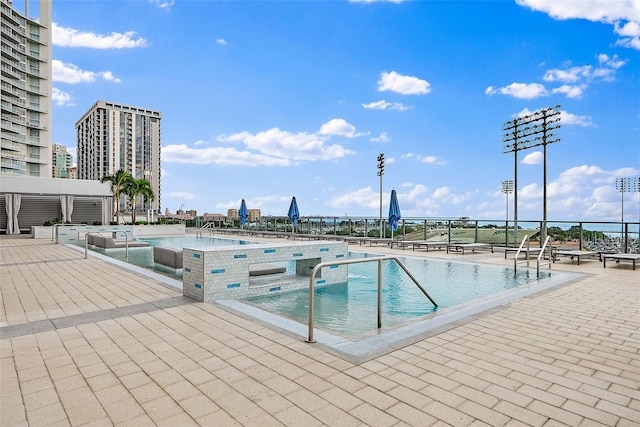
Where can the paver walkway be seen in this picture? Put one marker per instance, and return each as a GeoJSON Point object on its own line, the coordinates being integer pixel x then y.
{"type": "Point", "coordinates": [85, 342]}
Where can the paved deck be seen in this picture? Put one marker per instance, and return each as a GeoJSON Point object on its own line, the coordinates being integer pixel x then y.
{"type": "Point", "coordinates": [85, 342]}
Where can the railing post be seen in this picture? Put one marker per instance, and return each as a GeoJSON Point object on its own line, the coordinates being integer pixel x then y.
{"type": "Point", "coordinates": [379, 294]}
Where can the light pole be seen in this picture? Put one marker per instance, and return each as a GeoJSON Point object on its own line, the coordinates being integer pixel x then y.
{"type": "Point", "coordinates": [507, 188]}
{"type": "Point", "coordinates": [531, 131]}
{"type": "Point", "coordinates": [628, 185]}
{"type": "Point", "coordinates": [380, 173]}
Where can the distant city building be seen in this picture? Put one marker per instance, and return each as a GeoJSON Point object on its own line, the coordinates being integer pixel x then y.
{"type": "Point", "coordinates": [73, 172]}
{"type": "Point", "coordinates": [114, 136]}
{"type": "Point", "coordinates": [61, 162]}
{"type": "Point", "coordinates": [254, 214]}
{"type": "Point", "coordinates": [213, 217]}
{"type": "Point", "coordinates": [26, 90]}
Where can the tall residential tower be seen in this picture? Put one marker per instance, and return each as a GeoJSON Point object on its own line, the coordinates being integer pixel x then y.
{"type": "Point", "coordinates": [25, 147]}
{"type": "Point", "coordinates": [114, 136]}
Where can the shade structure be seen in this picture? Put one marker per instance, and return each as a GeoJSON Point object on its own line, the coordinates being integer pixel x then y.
{"type": "Point", "coordinates": [394, 212]}
{"type": "Point", "coordinates": [243, 213]}
{"type": "Point", "coordinates": [293, 214]}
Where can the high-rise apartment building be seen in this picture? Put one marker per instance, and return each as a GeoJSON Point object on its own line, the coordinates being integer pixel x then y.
{"type": "Point", "coordinates": [114, 136]}
{"type": "Point", "coordinates": [25, 147]}
{"type": "Point", "coordinates": [61, 162]}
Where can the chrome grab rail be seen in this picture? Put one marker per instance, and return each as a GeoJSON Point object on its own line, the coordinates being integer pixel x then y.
{"type": "Point", "coordinates": [541, 255]}
{"type": "Point", "coordinates": [126, 241]}
{"type": "Point", "coordinates": [207, 226]}
{"type": "Point", "coordinates": [525, 239]}
{"type": "Point", "coordinates": [317, 268]}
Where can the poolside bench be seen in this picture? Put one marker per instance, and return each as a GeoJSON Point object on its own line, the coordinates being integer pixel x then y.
{"type": "Point", "coordinates": [620, 257]}
{"type": "Point", "coordinates": [575, 253]}
{"type": "Point", "coordinates": [460, 247]}
{"type": "Point", "coordinates": [169, 257]}
{"type": "Point", "coordinates": [422, 244]}
{"type": "Point", "coordinates": [111, 243]}
{"type": "Point", "coordinates": [263, 269]}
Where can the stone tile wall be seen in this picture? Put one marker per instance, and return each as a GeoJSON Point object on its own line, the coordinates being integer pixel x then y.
{"type": "Point", "coordinates": [222, 272]}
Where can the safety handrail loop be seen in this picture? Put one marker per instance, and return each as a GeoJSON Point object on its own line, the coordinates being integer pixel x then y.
{"type": "Point", "coordinates": [319, 266]}
{"type": "Point", "coordinates": [546, 246]}
{"type": "Point", "coordinates": [126, 242]}
{"type": "Point", "coordinates": [525, 239]}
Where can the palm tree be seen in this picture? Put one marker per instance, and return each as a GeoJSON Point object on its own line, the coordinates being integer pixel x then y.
{"type": "Point", "coordinates": [136, 188]}
{"type": "Point", "coordinates": [118, 183]}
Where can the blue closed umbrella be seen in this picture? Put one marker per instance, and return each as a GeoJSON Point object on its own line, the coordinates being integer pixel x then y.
{"type": "Point", "coordinates": [394, 212]}
{"type": "Point", "coordinates": [293, 214]}
{"type": "Point", "coordinates": [243, 213]}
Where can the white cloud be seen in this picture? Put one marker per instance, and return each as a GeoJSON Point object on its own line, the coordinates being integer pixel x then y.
{"type": "Point", "coordinates": [365, 197]}
{"type": "Point", "coordinates": [377, 1]}
{"type": "Point", "coordinates": [382, 138]}
{"type": "Point", "coordinates": [566, 118]}
{"type": "Point", "coordinates": [624, 15]}
{"type": "Point", "coordinates": [570, 75]}
{"type": "Point", "coordinates": [534, 158]}
{"type": "Point", "coordinates": [575, 80]}
{"type": "Point", "coordinates": [432, 160]}
{"type": "Point", "coordinates": [339, 127]}
{"type": "Point", "coordinates": [221, 41]}
{"type": "Point", "coordinates": [273, 147]}
{"type": "Point", "coordinates": [405, 85]}
{"type": "Point", "coordinates": [60, 97]}
{"type": "Point", "coordinates": [218, 155]}
{"type": "Point", "coordinates": [572, 119]}
{"type": "Point", "coordinates": [163, 4]}
{"type": "Point", "coordinates": [519, 90]}
{"type": "Point", "coordinates": [69, 37]}
{"type": "Point", "coordinates": [182, 195]}
{"type": "Point", "coordinates": [384, 105]}
{"type": "Point", "coordinates": [199, 142]}
{"type": "Point", "coordinates": [70, 73]}
{"type": "Point", "coordinates": [574, 92]}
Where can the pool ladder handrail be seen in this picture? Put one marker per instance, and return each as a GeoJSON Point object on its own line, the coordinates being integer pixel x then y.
{"type": "Point", "coordinates": [540, 257]}
{"type": "Point", "coordinates": [126, 241]}
{"type": "Point", "coordinates": [208, 226]}
{"type": "Point", "coordinates": [546, 246]}
{"type": "Point", "coordinates": [319, 266]}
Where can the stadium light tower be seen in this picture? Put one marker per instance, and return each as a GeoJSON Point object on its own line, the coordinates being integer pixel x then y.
{"type": "Point", "coordinates": [380, 173]}
{"type": "Point", "coordinates": [526, 132]}
{"type": "Point", "coordinates": [627, 185]}
{"type": "Point", "coordinates": [507, 188]}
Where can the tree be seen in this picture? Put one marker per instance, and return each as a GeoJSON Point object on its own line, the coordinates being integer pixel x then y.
{"type": "Point", "coordinates": [136, 188]}
{"type": "Point", "coordinates": [118, 182]}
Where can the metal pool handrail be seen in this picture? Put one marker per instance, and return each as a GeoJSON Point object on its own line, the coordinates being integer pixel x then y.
{"type": "Point", "coordinates": [546, 246]}
{"type": "Point", "coordinates": [317, 268]}
{"type": "Point", "coordinates": [126, 242]}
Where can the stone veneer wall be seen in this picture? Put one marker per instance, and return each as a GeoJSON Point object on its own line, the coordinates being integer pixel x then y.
{"type": "Point", "coordinates": [75, 233]}
{"type": "Point", "coordinates": [222, 272]}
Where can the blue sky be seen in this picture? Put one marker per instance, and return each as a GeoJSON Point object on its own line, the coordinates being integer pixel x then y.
{"type": "Point", "coordinates": [267, 100]}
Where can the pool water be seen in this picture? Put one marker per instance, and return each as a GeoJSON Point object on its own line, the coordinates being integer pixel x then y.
{"type": "Point", "coordinates": [350, 309]}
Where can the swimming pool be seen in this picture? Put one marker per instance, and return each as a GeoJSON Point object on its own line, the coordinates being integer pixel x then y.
{"type": "Point", "coordinates": [350, 309]}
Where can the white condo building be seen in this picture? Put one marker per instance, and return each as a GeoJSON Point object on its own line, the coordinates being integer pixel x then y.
{"type": "Point", "coordinates": [113, 136]}
{"type": "Point", "coordinates": [25, 148]}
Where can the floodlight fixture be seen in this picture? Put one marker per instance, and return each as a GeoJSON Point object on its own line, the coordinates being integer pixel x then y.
{"type": "Point", "coordinates": [531, 130]}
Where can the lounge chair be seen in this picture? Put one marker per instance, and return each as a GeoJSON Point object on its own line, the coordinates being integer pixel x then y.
{"type": "Point", "coordinates": [575, 254]}
{"type": "Point", "coordinates": [620, 257]}
{"type": "Point", "coordinates": [460, 247]}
